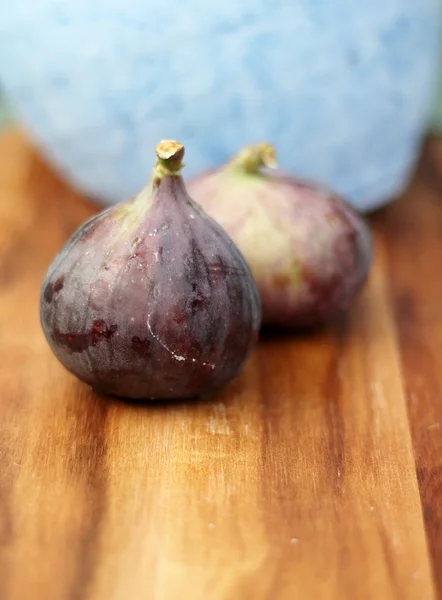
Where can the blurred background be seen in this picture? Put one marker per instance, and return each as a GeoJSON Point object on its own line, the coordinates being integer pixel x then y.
{"type": "Point", "coordinates": [345, 90]}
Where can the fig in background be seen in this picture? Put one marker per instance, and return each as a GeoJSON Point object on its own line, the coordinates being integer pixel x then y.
{"type": "Point", "coordinates": [308, 250]}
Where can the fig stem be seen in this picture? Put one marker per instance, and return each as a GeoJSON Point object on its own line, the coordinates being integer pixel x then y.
{"type": "Point", "coordinates": [169, 159]}
{"type": "Point", "coordinates": [251, 158]}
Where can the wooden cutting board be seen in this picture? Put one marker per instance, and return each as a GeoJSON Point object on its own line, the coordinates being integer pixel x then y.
{"type": "Point", "coordinates": [317, 474]}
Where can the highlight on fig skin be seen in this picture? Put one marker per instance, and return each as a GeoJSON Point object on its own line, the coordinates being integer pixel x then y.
{"type": "Point", "coordinates": [151, 299]}
{"type": "Point", "coordinates": [309, 251]}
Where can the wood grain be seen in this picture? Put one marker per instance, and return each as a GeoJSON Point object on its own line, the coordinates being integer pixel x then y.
{"type": "Point", "coordinates": [413, 228]}
{"type": "Point", "coordinates": [315, 475]}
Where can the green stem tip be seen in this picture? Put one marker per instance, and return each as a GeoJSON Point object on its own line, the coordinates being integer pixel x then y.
{"type": "Point", "coordinates": [252, 158]}
{"type": "Point", "coordinates": [169, 158]}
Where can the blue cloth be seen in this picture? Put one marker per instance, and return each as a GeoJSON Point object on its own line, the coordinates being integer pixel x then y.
{"type": "Point", "coordinates": [341, 87]}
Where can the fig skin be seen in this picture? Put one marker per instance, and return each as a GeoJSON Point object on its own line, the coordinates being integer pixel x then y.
{"type": "Point", "coordinates": [309, 251]}
{"type": "Point", "coordinates": [151, 299]}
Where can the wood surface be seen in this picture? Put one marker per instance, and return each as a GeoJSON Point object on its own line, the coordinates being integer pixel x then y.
{"type": "Point", "coordinates": [317, 474]}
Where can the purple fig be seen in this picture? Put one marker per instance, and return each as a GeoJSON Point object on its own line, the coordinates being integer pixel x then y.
{"type": "Point", "coordinates": [308, 250]}
{"type": "Point", "coordinates": [151, 298]}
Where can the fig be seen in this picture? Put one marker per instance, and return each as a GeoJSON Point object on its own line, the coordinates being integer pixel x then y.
{"type": "Point", "coordinates": [151, 299]}
{"type": "Point", "coordinates": [308, 250]}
